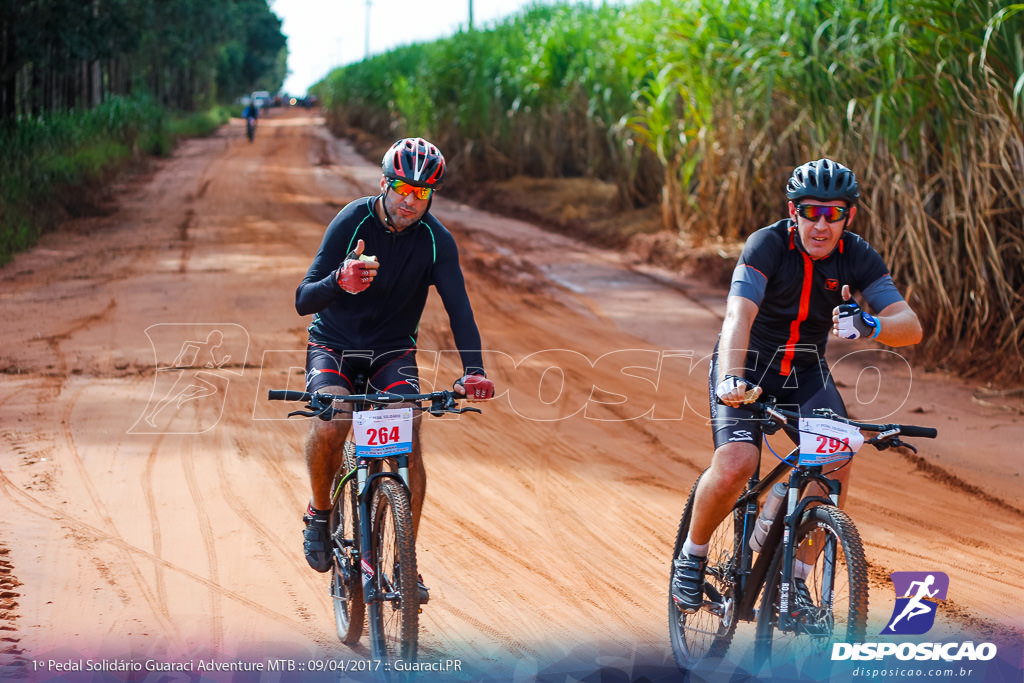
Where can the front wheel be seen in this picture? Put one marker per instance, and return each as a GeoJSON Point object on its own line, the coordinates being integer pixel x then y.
{"type": "Point", "coordinates": [706, 633]}
{"type": "Point", "coordinates": [394, 611]}
{"type": "Point", "coordinates": [826, 539]}
{"type": "Point", "coordinates": [346, 583]}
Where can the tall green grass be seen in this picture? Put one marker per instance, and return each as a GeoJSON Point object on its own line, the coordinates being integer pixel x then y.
{"type": "Point", "coordinates": [47, 158]}
{"type": "Point", "coordinates": [705, 107]}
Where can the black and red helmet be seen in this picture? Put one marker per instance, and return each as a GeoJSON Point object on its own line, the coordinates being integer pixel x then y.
{"type": "Point", "coordinates": [414, 161]}
{"type": "Point", "coordinates": [825, 180]}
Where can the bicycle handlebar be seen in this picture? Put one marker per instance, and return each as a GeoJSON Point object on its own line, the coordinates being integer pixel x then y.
{"type": "Point", "coordinates": [322, 403]}
{"type": "Point", "coordinates": [886, 434]}
{"type": "Point", "coordinates": [285, 395]}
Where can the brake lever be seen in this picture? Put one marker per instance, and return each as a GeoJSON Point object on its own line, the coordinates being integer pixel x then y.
{"type": "Point", "coordinates": [891, 441]}
{"type": "Point", "coordinates": [326, 413]}
{"type": "Point", "coordinates": [896, 442]}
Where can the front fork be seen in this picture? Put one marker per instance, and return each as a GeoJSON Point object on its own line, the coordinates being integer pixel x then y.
{"type": "Point", "coordinates": [365, 488]}
{"type": "Point", "coordinates": [795, 507]}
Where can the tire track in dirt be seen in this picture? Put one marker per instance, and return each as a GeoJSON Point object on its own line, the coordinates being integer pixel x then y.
{"type": "Point", "coordinates": [951, 481]}
{"type": "Point", "coordinates": [209, 544]}
{"type": "Point", "coordinates": [158, 608]}
{"type": "Point", "coordinates": [295, 567]}
{"type": "Point", "coordinates": [39, 508]}
{"type": "Point", "coordinates": [148, 493]}
{"type": "Point", "coordinates": [510, 644]}
{"type": "Point", "coordinates": [183, 237]}
{"type": "Point", "coordinates": [53, 341]}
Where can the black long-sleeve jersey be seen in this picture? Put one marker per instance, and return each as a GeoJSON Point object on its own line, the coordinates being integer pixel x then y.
{"type": "Point", "coordinates": [795, 295]}
{"type": "Point", "coordinates": [386, 316]}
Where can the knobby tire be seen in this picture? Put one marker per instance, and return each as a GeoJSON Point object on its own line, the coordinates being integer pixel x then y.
{"type": "Point", "coordinates": [809, 646]}
{"type": "Point", "coordinates": [346, 581]}
{"type": "Point", "coordinates": [705, 635]}
{"type": "Point", "coordinates": [394, 620]}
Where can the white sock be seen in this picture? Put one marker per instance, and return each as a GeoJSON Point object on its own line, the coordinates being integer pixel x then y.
{"type": "Point", "coordinates": [694, 550]}
{"type": "Point", "coordinates": [801, 570]}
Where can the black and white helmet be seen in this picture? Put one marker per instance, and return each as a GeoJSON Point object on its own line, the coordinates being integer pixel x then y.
{"type": "Point", "coordinates": [414, 161]}
{"type": "Point", "coordinates": [825, 180]}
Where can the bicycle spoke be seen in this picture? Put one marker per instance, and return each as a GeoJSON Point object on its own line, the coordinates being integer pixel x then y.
{"type": "Point", "coordinates": [837, 586]}
{"type": "Point", "coordinates": [395, 619]}
{"type": "Point", "coordinates": [705, 634]}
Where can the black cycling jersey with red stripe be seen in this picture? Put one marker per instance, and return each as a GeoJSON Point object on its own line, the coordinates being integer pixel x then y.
{"type": "Point", "coordinates": [796, 295]}
{"type": "Point", "coordinates": [386, 316]}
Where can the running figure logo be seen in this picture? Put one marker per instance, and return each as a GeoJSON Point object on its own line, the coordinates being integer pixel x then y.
{"type": "Point", "coordinates": [195, 363]}
{"type": "Point", "coordinates": [921, 592]}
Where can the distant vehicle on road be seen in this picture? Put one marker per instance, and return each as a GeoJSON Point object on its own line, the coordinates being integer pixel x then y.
{"type": "Point", "coordinates": [261, 98]}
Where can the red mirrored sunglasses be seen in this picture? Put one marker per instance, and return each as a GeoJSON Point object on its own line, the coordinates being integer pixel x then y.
{"type": "Point", "coordinates": [813, 212]}
{"type": "Point", "coordinates": [405, 189]}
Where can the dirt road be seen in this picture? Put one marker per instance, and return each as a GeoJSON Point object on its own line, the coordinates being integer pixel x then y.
{"type": "Point", "coordinates": [151, 497]}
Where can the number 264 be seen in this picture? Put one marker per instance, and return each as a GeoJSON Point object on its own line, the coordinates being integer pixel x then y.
{"type": "Point", "coordinates": [381, 436]}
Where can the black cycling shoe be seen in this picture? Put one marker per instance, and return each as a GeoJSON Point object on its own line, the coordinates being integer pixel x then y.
{"type": "Point", "coordinates": [316, 539]}
{"type": "Point", "coordinates": [811, 619]}
{"type": "Point", "coordinates": [688, 582]}
{"type": "Point", "coordinates": [424, 591]}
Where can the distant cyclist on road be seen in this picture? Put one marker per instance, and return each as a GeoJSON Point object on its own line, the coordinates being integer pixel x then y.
{"type": "Point", "coordinates": [791, 287]}
{"type": "Point", "coordinates": [251, 114]}
{"type": "Point", "coordinates": [366, 314]}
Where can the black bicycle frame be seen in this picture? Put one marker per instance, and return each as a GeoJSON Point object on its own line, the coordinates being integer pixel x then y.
{"type": "Point", "coordinates": [365, 486]}
{"type": "Point", "coordinates": [783, 527]}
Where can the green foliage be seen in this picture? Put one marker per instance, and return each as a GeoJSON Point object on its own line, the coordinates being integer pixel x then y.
{"type": "Point", "coordinates": [67, 54]}
{"type": "Point", "coordinates": [200, 124]}
{"type": "Point", "coordinates": [706, 106]}
{"type": "Point", "coordinates": [53, 163]}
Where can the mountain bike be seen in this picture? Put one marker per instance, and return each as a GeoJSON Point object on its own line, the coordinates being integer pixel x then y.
{"type": "Point", "coordinates": [250, 127]}
{"type": "Point", "coordinates": [373, 574]}
{"type": "Point", "coordinates": [790, 628]}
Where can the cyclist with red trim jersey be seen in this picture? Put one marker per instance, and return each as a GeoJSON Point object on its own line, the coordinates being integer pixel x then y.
{"type": "Point", "coordinates": [366, 290]}
{"type": "Point", "coordinates": [790, 289]}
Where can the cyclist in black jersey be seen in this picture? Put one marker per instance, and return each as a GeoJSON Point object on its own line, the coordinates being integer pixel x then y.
{"type": "Point", "coordinates": [366, 290]}
{"type": "Point", "coordinates": [790, 289]}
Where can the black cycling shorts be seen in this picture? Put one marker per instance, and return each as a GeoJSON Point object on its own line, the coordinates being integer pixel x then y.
{"type": "Point", "coordinates": [393, 371]}
{"type": "Point", "coordinates": [803, 389]}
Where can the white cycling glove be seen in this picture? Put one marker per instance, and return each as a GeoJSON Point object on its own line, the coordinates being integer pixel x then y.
{"type": "Point", "coordinates": [729, 385]}
{"type": "Point", "coordinates": [854, 323]}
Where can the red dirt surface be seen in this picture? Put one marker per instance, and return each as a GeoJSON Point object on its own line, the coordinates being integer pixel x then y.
{"type": "Point", "coordinates": [151, 496]}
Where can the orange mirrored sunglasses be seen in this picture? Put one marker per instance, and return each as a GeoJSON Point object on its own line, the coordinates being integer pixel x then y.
{"type": "Point", "coordinates": [813, 212]}
{"type": "Point", "coordinates": [405, 189]}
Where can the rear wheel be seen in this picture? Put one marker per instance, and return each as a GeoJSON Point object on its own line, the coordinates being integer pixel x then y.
{"type": "Point", "coordinates": [394, 615]}
{"type": "Point", "coordinates": [838, 589]}
{"type": "Point", "coordinates": [346, 583]}
{"type": "Point", "coordinates": [708, 632]}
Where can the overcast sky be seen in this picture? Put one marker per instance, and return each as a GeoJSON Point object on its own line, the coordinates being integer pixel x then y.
{"type": "Point", "coordinates": [323, 34]}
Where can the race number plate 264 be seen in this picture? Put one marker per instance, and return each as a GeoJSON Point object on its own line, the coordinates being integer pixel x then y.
{"type": "Point", "coordinates": [382, 433]}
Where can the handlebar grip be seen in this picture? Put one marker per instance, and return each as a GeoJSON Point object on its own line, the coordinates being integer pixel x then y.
{"type": "Point", "coordinates": [923, 432]}
{"type": "Point", "coordinates": [286, 395]}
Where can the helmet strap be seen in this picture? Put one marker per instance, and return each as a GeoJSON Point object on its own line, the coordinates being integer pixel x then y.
{"type": "Point", "coordinates": [384, 208]}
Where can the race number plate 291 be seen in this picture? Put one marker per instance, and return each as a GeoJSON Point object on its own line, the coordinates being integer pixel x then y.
{"type": "Point", "coordinates": [825, 441]}
{"type": "Point", "coordinates": [382, 433]}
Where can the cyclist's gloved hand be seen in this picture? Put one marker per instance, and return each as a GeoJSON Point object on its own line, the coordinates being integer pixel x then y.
{"type": "Point", "coordinates": [474, 387]}
{"type": "Point", "coordinates": [732, 391]}
{"type": "Point", "coordinates": [357, 271]}
{"type": "Point", "coordinates": [853, 322]}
